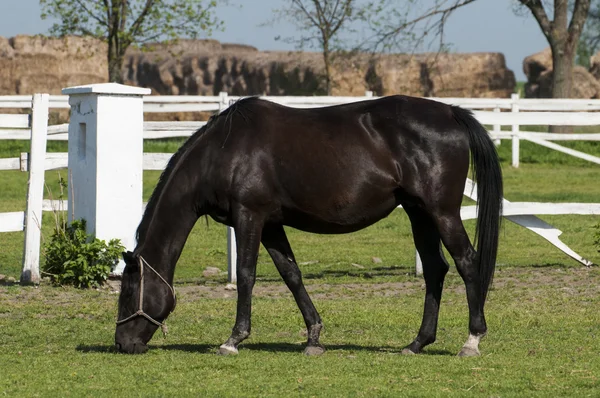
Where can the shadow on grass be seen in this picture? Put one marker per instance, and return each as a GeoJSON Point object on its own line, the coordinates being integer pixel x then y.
{"type": "Point", "coordinates": [266, 347]}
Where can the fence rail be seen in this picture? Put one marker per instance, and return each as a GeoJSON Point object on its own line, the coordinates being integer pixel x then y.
{"type": "Point", "coordinates": [497, 112]}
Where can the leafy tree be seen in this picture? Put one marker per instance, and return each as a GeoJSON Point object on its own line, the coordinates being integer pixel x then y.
{"type": "Point", "coordinates": [122, 23]}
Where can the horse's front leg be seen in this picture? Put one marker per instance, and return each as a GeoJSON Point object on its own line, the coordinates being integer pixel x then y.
{"type": "Point", "coordinates": [275, 241]}
{"type": "Point", "coordinates": [248, 227]}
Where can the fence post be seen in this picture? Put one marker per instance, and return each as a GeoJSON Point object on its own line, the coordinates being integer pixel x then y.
{"type": "Point", "coordinates": [515, 132]}
{"type": "Point", "coordinates": [418, 264]}
{"type": "Point", "coordinates": [106, 160]}
{"type": "Point", "coordinates": [497, 128]}
{"type": "Point", "coordinates": [35, 190]}
{"type": "Point", "coordinates": [231, 243]}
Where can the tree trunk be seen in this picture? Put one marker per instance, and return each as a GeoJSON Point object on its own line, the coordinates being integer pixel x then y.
{"type": "Point", "coordinates": [115, 66]}
{"type": "Point", "coordinates": [115, 60]}
{"type": "Point", "coordinates": [327, 61]}
{"type": "Point", "coordinates": [563, 62]}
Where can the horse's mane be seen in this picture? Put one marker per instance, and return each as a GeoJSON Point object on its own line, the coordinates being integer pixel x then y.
{"type": "Point", "coordinates": [234, 109]}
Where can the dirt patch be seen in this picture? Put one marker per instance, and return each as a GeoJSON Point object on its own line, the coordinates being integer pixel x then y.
{"type": "Point", "coordinates": [572, 281]}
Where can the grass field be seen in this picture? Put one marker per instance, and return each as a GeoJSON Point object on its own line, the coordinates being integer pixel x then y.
{"type": "Point", "coordinates": [542, 311]}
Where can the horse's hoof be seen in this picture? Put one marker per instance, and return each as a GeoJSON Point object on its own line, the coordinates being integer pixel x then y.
{"type": "Point", "coordinates": [227, 350]}
{"type": "Point", "coordinates": [314, 350]}
{"type": "Point", "coordinates": [469, 352]}
{"type": "Point", "coordinates": [407, 351]}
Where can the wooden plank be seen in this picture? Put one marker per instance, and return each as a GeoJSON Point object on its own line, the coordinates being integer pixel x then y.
{"type": "Point", "coordinates": [35, 191]}
{"type": "Point", "coordinates": [560, 104]}
{"type": "Point", "coordinates": [10, 164]}
{"type": "Point", "coordinates": [14, 121]}
{"type": "Point", "coordinates": [164, 99]}
{"type": "Point", "coordinates": [15, 101]}
{"type": "Point", "coordinates": [12, 222]}
{"type": "Point", "coordinates": [171, 126]}
{"type": "Point", "coordinates": [156, 161]}
{"type": "Point", "coordinates": [533, 224]}
{"type": "Point", "coordinates": [568, 151]}
{"type": "Point", "coordinates": [179, 107]}
{"type": "Point", "coordinates": [54, 205]}
{"type": "Point", "coordinates": [533, 208]}
{"type": "Point", "coordinates": [539, 118]}
{"type": "Point", "coordinates": [60, 160]}
{"type": "Point", "coordinates": [559, 137]}
{"type": "Point", "coordinates": [12, 134]}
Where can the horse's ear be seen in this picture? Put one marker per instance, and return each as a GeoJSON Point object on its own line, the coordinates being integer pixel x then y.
{"type": "Point", "coordinates": [129, 258]}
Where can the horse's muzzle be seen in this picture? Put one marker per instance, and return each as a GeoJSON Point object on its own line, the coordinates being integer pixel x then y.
{"type": "Point", "coordinates": [131, 347]}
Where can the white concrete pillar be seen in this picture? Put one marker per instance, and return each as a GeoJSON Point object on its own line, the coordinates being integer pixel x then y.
{"type": "Point", "coordinates": [106, 159]}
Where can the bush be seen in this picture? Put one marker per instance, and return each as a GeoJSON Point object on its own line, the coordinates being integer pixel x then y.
{"type": "Point", "coordinates": [75, 258]}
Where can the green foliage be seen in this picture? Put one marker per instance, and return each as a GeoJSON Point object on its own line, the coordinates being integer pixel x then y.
{"type": "Point", "coordinates": [122, 23]}
{"type": "Point", "coordinates": [75, 258]}
{"type": "Point", "coordinates": [137, 21]}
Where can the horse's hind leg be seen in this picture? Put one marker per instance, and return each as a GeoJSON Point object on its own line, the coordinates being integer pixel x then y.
{"type": "Point", "coordinates": [428, 243]}
{"type": "Point", "coordinates": [457, 242]}
{"type": "Point", "coordinates": [248, 227]}
{"type": "Point", "coordinates": [275, 241]}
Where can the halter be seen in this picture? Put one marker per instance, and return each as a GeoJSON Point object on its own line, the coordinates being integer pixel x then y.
{"type": "Point", "coordinates": [140, 311]}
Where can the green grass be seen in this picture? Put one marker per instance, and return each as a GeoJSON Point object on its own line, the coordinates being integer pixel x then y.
{"type": "Point", "coordinates": [543, 342]}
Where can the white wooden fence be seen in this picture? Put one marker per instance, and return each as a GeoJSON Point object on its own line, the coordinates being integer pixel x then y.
{"type": "Point", "coordinates": [514, 112]}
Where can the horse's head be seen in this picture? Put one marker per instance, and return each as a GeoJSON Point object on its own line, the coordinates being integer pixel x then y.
{"type": "Point", "coordinates": [145, 301]}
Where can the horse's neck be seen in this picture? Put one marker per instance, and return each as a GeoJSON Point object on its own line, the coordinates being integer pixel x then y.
{"type": "Point", "coordinates": [163, 242]}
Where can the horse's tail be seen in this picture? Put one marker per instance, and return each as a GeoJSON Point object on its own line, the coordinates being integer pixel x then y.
{"type": "Point", "coordinates": [487, 173]}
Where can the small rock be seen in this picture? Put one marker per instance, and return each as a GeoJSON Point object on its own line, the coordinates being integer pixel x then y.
{"type": "Point", "coordinates": [2, 277]}
{"type": "Point", "coordinates": [10, 279]}
{"type": "Point", "coordinates": [376, 260]}
{"type": "Point", "coordinates": [358, 266]}
{"type": "Point", "coordinates": [211, 271]}
{"type": "Point", "coordinates": [309, 262]}
{"type": "Point", "coordinates": [230, 286]}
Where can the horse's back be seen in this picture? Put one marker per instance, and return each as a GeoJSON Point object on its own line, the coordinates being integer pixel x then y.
{"type": "Point", "coordinates": [339, 167]}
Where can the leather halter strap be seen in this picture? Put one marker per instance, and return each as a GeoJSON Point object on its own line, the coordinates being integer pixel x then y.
{"type": "Point", "coordinates": [140, 311]}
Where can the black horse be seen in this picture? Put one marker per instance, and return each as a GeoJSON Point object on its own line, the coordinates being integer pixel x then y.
{"type": "Point", "coordinates": [258, 166]}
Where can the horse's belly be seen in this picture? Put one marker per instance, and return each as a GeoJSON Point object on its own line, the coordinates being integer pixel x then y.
{"type": "Point", "coordinates": [338, 219]}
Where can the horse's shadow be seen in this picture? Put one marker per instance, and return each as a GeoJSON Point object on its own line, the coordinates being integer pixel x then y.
{"type": "Point", "coordinates": [266, 347]}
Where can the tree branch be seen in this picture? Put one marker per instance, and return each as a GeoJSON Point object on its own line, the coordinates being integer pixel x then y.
{"type": "Point", "coordinates": [537, 9]}
{"type": "Point", "coordinates": [91, 14]}
{"type": "Point", "coordinates": [580, 14]}
{"type": "Point", "coordinates": [135, 27]}
{"type": "Point", "coordinates": [436, 10]}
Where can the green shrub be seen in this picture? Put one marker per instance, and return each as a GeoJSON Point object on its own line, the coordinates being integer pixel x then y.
{"type": "Point", "coordinates": [75, 258]}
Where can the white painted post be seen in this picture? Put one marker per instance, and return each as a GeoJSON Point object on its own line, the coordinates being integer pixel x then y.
{"type": "Point", "coordinates": [497, 128]}
{"type": "Point", "coordinates": [35, 190]}
{"type": "Point", "coordinates": [515, 132]}
{"type": "Point", "coordinates": [368, 94]}
{"type": "Point", "coordinates": [231, 243]}
{"type": "Point", "coordinates": [105, 160]}
{"type": "Point", "coordinates": [418, 264]}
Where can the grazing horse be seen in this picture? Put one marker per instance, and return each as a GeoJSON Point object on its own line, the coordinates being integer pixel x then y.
{"type": "Point", "coordinates": [258, 166]}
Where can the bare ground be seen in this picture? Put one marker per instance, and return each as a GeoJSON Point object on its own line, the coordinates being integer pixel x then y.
{"type": "Point", "coordinates": [570, 280]}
